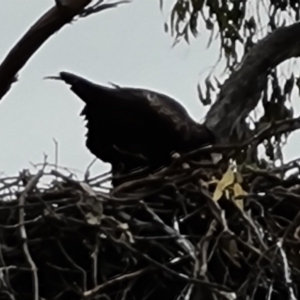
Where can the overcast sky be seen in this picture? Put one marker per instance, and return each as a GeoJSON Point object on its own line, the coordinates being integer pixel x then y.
{"type": "Point", "coordinates": [126, 45]}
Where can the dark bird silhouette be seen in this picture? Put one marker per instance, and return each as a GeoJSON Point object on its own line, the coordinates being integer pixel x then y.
{"type": "Point", "coordinates": [132, 128]}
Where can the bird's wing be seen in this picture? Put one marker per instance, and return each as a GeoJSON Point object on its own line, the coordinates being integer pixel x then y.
{"type": "Point", "coordinates": [168, 109]}
{"type": "Point", "coordinates": [131, 101]}
{"type": "Point", "coordinates": [132, 118]}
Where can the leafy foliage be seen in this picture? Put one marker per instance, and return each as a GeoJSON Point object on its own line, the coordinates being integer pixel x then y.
{"type": "Point", "coordinates": [238, 25]}
{"type": "Point", "coordinates": [237, 22]}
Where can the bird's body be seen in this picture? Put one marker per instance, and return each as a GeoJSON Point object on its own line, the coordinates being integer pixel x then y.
{"type": "Point", "coordinates": [132, 128]}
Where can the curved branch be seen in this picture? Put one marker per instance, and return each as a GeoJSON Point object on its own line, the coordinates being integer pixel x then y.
{"type": "Point", "coordinates": [241, 92]}
{"type": "Point", "coordinates": [53, 20]}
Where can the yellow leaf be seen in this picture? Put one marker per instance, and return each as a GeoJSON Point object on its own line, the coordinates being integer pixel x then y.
{"type": "Point", "coordinates": [238, 191]}
{"type": "Point", "coordinates": [240, 203]}
{"type": "Point", "coordinates": [217, 194]}
{"type": "Point", "coordinates": [227, 180]}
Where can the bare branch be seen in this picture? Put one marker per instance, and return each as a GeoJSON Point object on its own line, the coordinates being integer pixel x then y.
{"type": "Point", "coordinates": [52, 21]}
{"type": "Point", "coordinates": [23, 233]}
{"type": "Point", "coordinates": [99, 7]}
{"type": "Point", "coordinates": [242, 90]}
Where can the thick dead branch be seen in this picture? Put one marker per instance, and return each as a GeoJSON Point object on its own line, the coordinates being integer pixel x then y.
{"type": "Point", "coordinates": [241, 92]}
{"type": "Point", "coordinates": [53, 20]}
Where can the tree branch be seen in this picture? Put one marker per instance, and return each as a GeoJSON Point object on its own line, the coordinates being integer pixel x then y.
{"type": "Point", "coordinates": [241, 92]}
{"type": "Point", "coordinates": [53, 20]}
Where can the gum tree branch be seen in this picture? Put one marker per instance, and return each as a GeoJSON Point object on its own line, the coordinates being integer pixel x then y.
{"type": "Point", "coordinates": [241, 92]}
{"type": "Point", "coordinates": [53, 20]}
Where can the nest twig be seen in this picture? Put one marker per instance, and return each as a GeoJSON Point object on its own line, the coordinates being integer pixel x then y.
{"type": "Point", "coordinates": [163, 237]}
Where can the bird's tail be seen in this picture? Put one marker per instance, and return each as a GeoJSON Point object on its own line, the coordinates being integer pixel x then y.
{"type": "Point", "coordinates": [72, 79]}
{"type": "Point", "coordinates": [84, 89]}
{"type": "Point", "coordinates": [69, 78]}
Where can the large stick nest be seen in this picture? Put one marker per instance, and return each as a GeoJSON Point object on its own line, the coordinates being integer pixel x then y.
{"type": "Point", "coordinates": [188, 232]}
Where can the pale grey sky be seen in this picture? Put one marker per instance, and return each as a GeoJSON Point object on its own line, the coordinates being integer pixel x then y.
{"type": "Point", "coordinates": [126, 45]}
